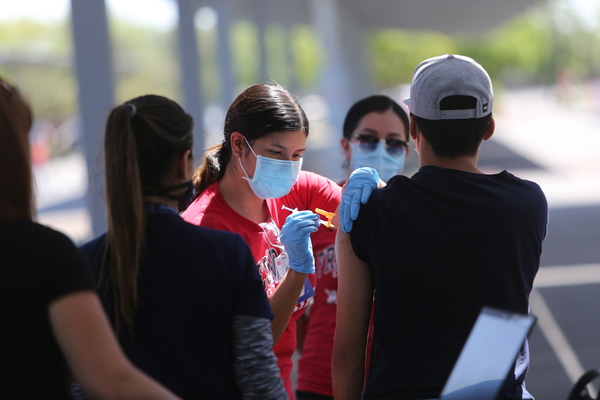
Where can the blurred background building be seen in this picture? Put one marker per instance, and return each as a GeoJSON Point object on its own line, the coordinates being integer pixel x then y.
{"type": "Point", "coordinates": [76, 59]}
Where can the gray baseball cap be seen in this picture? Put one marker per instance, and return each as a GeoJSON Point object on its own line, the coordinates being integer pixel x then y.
{"type": "Point", "coordinates": [449, 75]}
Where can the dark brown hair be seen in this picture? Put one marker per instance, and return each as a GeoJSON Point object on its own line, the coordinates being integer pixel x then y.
{"type": "Point", "coordinates": [257, 112]}
{"type": "Point", "coordinates": [16, 193]}
{"type": "Point", "coordinates": [142, 140]}
{"type": "Point", "coordinates": [451, 138]}
{"type": "Point", "coordinates": [376, 103]}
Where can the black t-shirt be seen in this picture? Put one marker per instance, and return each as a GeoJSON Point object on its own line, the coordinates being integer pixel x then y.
{"type": "Point", "coordinates": [193, 281]}
{"type": "Point", "coordinates": [37, 266]}
{"type": "Point", "coordinates": [441, 245]}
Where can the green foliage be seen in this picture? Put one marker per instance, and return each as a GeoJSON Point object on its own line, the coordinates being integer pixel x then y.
{"type": "Point", "coordinates": [307, 55]}
{"type": "Point", "coordinates": [35, 57]}
{"type": "Point", "coordinates": [517, 52]}
{"type": "Point", "coordinates": [51, 91]}
{"type": "Point", "coordinates": [244, 47]}
{"type": "Point", "coordinates": [277, 40]}
{"type": "Point", "coordinates": [209, 68]}
{"type": "Point", "coordinates": [394, 53]}
{"type": "Point", "coordinates": [144, 61]}
{"type": "Point", "coordinates": [533, 48]}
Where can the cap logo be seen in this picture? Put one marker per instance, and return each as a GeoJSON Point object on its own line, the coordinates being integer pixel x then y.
{"type": "Point", "coordinates": [484, 106]}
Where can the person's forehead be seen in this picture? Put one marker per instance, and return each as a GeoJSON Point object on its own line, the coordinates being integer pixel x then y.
{"type": "Point", "coordinates": [381, 123]}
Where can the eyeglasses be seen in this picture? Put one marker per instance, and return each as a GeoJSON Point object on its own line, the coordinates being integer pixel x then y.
{"type": "Point", "coordinates": [368, 144]}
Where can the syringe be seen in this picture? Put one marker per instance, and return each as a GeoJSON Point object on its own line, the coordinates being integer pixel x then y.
{"type": "Point", "coordinates": [326, 214]}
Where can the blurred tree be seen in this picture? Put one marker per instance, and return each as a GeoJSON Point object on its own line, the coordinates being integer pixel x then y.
{"type": "Point", "coordinates": [308, 56]}
{"type": "Point", "coordinates": [144, 61]}
{"type": "Point", "coordinates": [35, 56]}
{"type": "Point", "coordinates": [394, 53]}
{"type": "Point", "coordinates": [535, 48]}
{"type": "Point", "coordinates": [244, 47]}
{"type": "Point", "coordinates": [516, 53]}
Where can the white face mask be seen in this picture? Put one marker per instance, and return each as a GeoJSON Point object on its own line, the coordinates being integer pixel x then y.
{"type": "Point", "coordinates": [385, 164]}
{"type": "Point", "coordinates": [272, 178]}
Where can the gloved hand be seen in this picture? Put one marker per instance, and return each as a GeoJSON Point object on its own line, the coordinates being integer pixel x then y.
{"type": "Point", "coordinates": [358, 189]}
{"type": "Point", "coordinates": [295, 237]}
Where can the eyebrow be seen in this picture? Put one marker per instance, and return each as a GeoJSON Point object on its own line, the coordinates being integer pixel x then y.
{"type": "Point", "coordinates": [282, 147]}
{"type": "Point", "coordinates": [367, 130]}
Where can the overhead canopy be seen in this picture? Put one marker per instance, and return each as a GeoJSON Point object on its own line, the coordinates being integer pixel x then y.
{"type": "Point", "coordinates": [446, 16]}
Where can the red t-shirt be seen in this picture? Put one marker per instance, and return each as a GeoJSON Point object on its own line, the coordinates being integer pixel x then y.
{"type": "Point", "coordinates": [311, 191]}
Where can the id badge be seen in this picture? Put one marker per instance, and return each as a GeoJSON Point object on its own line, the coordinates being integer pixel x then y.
{"type": "Point", "coordinates": [282, 264]}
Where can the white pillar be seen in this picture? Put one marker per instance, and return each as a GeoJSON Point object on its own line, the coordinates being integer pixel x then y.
{"type": "Point", "coordinates": [190, 71]}
{"type": "Point", "coordinates": [96, 96]}
{"type": "Point", "coordinates": [223, 8]}
{"type": "Point", "coordinates": [260, 22]}
{"type": "Point", "coordinates": [287, 15]}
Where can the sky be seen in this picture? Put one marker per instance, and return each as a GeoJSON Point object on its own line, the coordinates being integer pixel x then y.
{"type": "Point", "coordinates": [163, 13]}
{"type": "Point", "coordinates": [160, 13]}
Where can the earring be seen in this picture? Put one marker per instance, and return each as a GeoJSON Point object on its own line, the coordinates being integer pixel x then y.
{"type": "Point", "coordinates": [237, 154]}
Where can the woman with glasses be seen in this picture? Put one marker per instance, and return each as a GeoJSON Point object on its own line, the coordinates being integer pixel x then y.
{"type": "Point", "coordinates": [51, 321]}
{"type": "Point", "coordinates": [186, 301]}
{"type": "Point", "coordinates": [249, 183]}
{"type": "Point", "coordinates": [375, 135]}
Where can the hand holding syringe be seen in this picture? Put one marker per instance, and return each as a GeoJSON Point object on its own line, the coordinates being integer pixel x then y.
{"type": "Point", "coordinates": [326, 214]}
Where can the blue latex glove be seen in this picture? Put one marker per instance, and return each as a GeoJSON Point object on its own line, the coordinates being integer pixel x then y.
{"type": "Point", "coordinates": [358, 189]}
{"type": "Point", "coordinates": [295, 237]}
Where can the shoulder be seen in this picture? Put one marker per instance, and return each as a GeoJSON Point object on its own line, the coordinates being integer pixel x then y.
{"type": "Point", "coordinates": [523, 185]}
{"type": "Point", "coordinates": [183, 230]}
{"type": "Point", "coordinates": [202, 204]}
{"type": "Point", "coordinates": [308, 178]}
{"type": "Point", "coordinates": [309, 183]}
{"type": "Point", "coordinates": [92, 245]}
{"type": "Point", "coordinates": [50, 240]}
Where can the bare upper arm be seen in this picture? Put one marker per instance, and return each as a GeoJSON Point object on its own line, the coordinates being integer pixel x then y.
{"type": "Point", "coordinates": [355, 291]}
{"type": "Point", "coordinates": [85, 337]}
{"type": "Point", "coordinates": [354, 302]}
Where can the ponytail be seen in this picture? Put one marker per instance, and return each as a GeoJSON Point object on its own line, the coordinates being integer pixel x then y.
{"type": "Point", "coordinates": [142, 141]}
{"type": "Point", "coordinates": [126, 216]}
{"type": "Point", "coordinates": [212, 169]}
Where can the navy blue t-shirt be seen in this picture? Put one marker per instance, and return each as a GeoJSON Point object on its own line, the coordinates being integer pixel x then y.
{"type": "Point", "coordinates": [193, 281]}
{"type": "Point", "coordinates": [442, 245]}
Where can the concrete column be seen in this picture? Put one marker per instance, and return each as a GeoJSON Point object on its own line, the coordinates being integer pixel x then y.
{"type": "Point", "coordinates": [325, 156]}
{"type": "Point", "coordinates": [96, 96]}
{"type": "Point", "coordinates": [260, 22]}
{"type": "Point", "coordinates": [352, 49]}
{"type": "Point", "coordinates": [190, 71]}
{"type": "Point", "coordinates": [334, 79]}
{"type": "Point", "coordinates": [287, 16]}
{"type": "Point", "coordinates": [223, 8]}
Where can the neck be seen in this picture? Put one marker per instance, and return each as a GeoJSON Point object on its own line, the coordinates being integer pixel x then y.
{"type": "Point", "coordinates": [466, 164]}
{"type": "Point", "coordinates": [463, 163]}
{"type": "Point", "coordinates": [240, 197]}
{"type": "Point", "coordinates": [162, 200]}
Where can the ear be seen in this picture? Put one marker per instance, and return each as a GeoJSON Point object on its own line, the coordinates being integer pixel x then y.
{"type": "Point", "coordinates": [345, 142]}
{"type": "Point", "coordinates": [413, 130]}
{"type": "Point", "coordinates": [184, 166]}
{"type": "Point", "coordinates": [490, 129]}
{"type": "Point", "coordinates": [238, 142]}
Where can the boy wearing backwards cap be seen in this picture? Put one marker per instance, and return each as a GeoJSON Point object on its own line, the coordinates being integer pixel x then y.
{"type": "Point", "coordinates": [435, 248]}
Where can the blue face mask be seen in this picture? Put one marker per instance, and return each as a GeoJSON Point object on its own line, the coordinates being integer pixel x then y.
{"type": "Point", "coordinates": [385, 164]}
{"type": "Point", "coordinates": [272, 178]}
